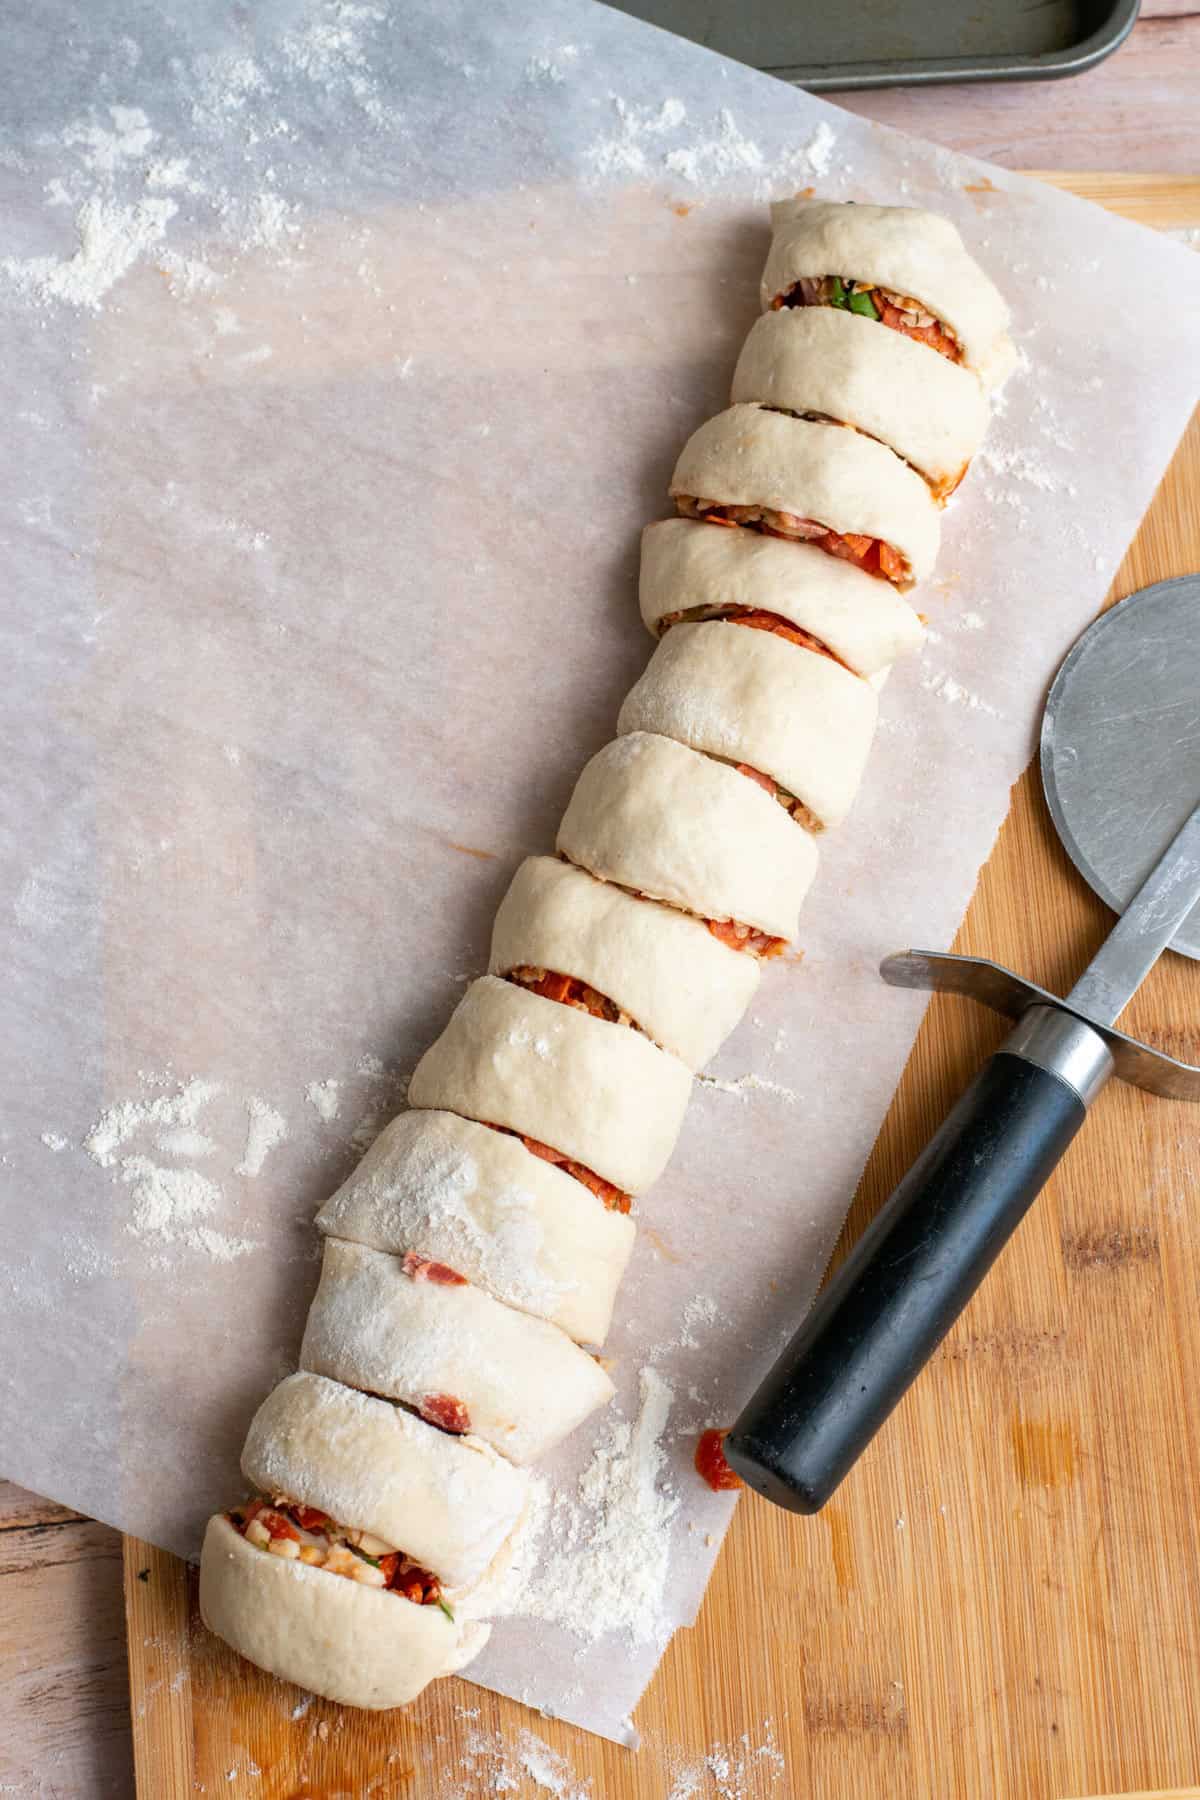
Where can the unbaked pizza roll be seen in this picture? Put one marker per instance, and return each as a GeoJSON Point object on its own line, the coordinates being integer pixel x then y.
{"type": "Point", "coordinates": [794, 716]}
{"type": "Point", "coordinates": [337, 1625]}
{"type": "Point", "coordinates": [600, 1094]}
{"type": "Point", "coordinates": [904, 268]}
{"type": "Point", "coordinates": [817, 361]}
{"type": "Point", "coordinates": [416, 1331]}
{"type": "Point", "coordinates": [481, 1201]}
{"type": "Point", "coordinates": [824, 484]}
{"type": "Point", "coordinates": [450, 1501]}
{"type": "Point", "coordinates": [668, 822]}
{"type": "Point", "coordinates": [692, 571]}
{"type": "Point", "coordinates": [560, 930]}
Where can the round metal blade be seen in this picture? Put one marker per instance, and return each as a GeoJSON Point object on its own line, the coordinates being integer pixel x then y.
{"type": "Point", "coordinates": [1121, 742]}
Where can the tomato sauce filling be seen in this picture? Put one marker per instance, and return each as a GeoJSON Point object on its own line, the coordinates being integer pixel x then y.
{"type": "Point", "coordinates": [568, 990]}
{"type": "Point", "coordinates": [710, 1461]}
{"type": "Point", "coordinates": [605, 1191]}
{"type": "Point", "coordinates": [899, 312]}
{"type": "Point", "coordinates": [755, 618]}
{"type": "Point", "coordinates": [298, 1533]}
{"type": "Point", "coordinates": [869, 553]}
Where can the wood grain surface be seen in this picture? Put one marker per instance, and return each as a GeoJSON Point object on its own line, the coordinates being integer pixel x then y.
{"type": "Point", "coordinates": [1004, 1598]}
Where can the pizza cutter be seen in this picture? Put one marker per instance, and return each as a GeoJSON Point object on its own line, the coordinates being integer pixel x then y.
{"type": "Point", "coordinates": [1120, 757]}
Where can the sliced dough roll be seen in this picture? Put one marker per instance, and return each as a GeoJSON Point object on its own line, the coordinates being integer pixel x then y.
{"type": "Point", "coordinates": [449, 1502]}
{"type": "Point", "coordinates": [666, 970]}
{"type": "Point", "coordinates": [460, 1358]}
{"type": "Point", "coordinates": [475, 1198]}
{"type": "Point", "coordinates": [913, 253]}
{"type": "Point", "coordinates": [599, 1093]}
{"type": "Point", "coordinates": [753, 459]}
{"type": "Point", "coordinates": [665, 821]}
{"type": "Point", "coordinates": [815, 359]}
{"type": "Point", "coordinates": [358, 1645]}
{"type": "Point", "coordinates": [688, 564]}
{"type": "Point", "coordinates": [790, 713]}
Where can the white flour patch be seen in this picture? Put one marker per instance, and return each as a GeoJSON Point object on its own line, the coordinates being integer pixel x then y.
{"type": "Point", "coordinates": [187, 275]}
{"type": "Point", "coordinates": [54, 1141]}
{"type": "Point", "coordinates": [955, 694]}
{"type": "Point", "coordinates": [748, 1084]}
{"type": "Point", "coordinates": [817, 154]}
{"type": "Point", "coordinates": [104, 147]}
{"type": "Point", "coordinates": [739, 1771]}
{"type": "Point", "coordinates": [112, 237]}
{"type": "Point", "coordinates": [727, 153]}
{"type": "Point", "coordinates": [493, 1765]}
{"type": "Point", "coordinates": [264, 1129]}
{"type": "Point", "coordinates": [166, 1201]}
{"type": "Point", "coordinates": [325, 1096]}
{"type": "Point", "coordinates": [119, 1123]}
{"type": "Point", "coordinates": [625, 153]}
{"type": "Point", "coordinates": [604, 1564]}
{"type": "Point", "coordinates": [185, 1141]}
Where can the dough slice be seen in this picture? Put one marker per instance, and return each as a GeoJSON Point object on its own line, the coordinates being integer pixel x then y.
{"type": "Point", "coordinates": [747, 695]}
{"type": "Point", "coordinates": [685, 989]}
{"type": "Point", "coordinates": [687, 564]}
{"type": "Point", "coordinates": [910, 252]}
{"type": "Point", "coordinates": [599, 1093]}
{"type": "Point", "coordinates": [665, 821]}
{"type": "Point", "coordinates": [458, 1357]}
{"type": "Point", "coordinates": [357, 1645]}
{"type": "Point", "coordinates": [450, 1502]}
{"type": "Point", "coordinates": [477, 1199]}
{"type": "Point", "coordinates": [809, 478]}
{"type": "Point", "coordinates": [815, 359]}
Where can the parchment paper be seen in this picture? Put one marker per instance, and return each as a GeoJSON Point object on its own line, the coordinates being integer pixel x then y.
{"type": "Point", "coordinates": [320, 519]}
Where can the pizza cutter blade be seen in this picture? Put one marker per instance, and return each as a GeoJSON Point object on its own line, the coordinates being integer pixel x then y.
{"type": "Point", "coordinates": [1121, 767]}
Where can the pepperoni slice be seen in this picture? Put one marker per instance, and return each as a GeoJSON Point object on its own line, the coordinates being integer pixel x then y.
{"type": "Point", "coordinates": [710, 1461]}
{"type": "Point", "coordinates": [419, 1268]}
{"type": "Point", "coordinates": [444, 1411]}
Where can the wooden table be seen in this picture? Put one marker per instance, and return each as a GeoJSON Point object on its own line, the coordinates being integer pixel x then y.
{"type": "Point", "coordinates": [884, 1670]}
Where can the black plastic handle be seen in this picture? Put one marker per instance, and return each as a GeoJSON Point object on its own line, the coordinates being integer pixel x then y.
{"type": "Point", "coordinates": [904, 1283]}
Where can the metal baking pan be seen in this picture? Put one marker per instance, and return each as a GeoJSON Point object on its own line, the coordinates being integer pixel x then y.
{"type": "Point", "coordinates": [893, 43]}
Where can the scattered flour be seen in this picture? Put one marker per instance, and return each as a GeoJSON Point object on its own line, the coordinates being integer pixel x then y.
{"type": "Point", "coordinates": [112, 237]}
{"type": "Point", "coordinates": [325, 1097]}
{"type": "Point", "coordinates": [184, 1140]}
{"type": "Point", "coordinates": [625, 153]}
{"type": "Point", "coordinates": [53, 1140]}
{"type": "Point", "coordinates": [606, 1557]}
{"type": "Point", "coordinates": [105, 148]}
{"type": "Point", "coordinates": [118, 1123]}
{"type": "Point", "coordinates": [748, 1084]}
{"type": "Point", "coordinates": [818, 152]}
{"type": "Point", "coordinates": [738, 1771]}
{"type": "Point", "coordinates": [726, 153]}
{"type": "Point", "coordinates": [492, 1765]}
{"type": "Point", "coordinates": [955, 694]}
{"type": "Point", "coordinates": [264, 1129]}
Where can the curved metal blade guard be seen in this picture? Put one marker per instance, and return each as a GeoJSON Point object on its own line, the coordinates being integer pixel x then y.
{"type": "Point", "coordinates": [1005, 992]}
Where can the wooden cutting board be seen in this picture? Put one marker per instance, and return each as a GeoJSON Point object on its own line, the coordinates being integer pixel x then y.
{"type": "Point", "coordinates": [1004, 1599]}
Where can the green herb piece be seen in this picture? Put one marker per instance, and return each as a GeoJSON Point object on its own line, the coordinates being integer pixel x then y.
{"type": "Point", "coordinates": [373, 1560]}
{"type": "Point", "coordinates": [837, 292]}
{"type": "Point", "coordinates": [863, 303]}
{"type": "Point", "coordinates": [445, 1609]}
